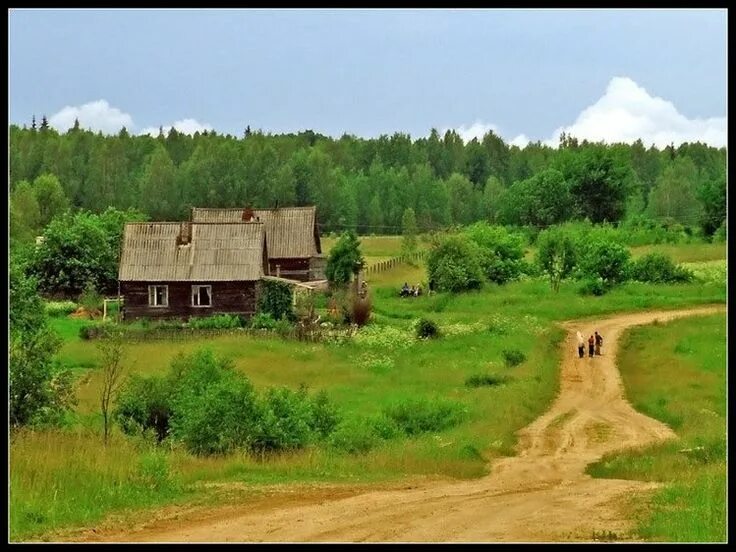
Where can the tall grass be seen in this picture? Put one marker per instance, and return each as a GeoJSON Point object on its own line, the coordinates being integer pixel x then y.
{"type": "Point", "coordinates": [676, 372]}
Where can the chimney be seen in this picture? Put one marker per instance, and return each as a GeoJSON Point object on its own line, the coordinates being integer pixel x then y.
{"type": "Point", "coordinates": [247, 214]}
{"type": "Point", "coordinates": [185, 234]}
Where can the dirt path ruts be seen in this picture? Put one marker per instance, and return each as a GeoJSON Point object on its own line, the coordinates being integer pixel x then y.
{"type": "Point", "coordinates": [542, 494]}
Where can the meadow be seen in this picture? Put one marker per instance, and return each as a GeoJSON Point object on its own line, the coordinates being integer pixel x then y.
{"type": "Point", "coordinates": [64, 478]}
{"type": "Point", "coordinates": [676, 373]}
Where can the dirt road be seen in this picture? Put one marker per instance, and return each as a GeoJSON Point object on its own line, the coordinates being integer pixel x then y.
{"type": "Point", "coordinates": [542, 494]}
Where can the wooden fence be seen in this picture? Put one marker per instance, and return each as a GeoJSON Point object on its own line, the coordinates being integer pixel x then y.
{"type": "Point", "coordinates": [388, 264]}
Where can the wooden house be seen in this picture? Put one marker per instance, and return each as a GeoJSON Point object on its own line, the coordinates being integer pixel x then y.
{"type": "Point", "coordinates": [185, 269]}
{"type": "Point", "coordinates": [294, 248]}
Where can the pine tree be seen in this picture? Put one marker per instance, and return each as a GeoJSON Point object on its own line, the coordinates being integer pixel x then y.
{"type": "Point", "coordinates": [44, 123]}
{"type": "Point", "coordinates": [33, 122]}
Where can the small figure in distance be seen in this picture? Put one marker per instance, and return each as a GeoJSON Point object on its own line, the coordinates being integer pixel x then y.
{"type": "Point", "coordinates": [581, 345]}
{"type": "Point", "coordinates": [591, 346]}
{"type": "Point", "coordinates": [598, 343]}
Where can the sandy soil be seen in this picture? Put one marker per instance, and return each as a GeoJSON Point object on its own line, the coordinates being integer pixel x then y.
{"type": "Point", "coordinates": [542, 494]}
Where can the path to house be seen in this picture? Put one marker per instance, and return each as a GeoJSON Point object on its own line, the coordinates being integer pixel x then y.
{"type": "Point", "coordinates": [542, 494]}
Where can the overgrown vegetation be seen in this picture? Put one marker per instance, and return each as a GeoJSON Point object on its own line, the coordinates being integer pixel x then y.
{"type": "Point", "coordinates": [212, 409]}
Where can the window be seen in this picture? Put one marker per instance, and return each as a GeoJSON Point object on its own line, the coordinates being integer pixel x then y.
{"type": "Point", "coordinates": [201, 296]}
{"type": "Point", "coordinates": [158, 296]}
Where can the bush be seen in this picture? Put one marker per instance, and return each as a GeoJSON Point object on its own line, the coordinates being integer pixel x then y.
{"type": "Point", "coordinates": [415, 416]}
{"type": "Point", "coordinates": [513, 357]}
{"type": "Point", "coordinates": [144, 404]}
{"type": "Point", "coordinates": [217, 322]}
{"type": "Point", "coordinates": [607, 260]}
{"type": "Point", "coordinates": [427, 329]}
{"type": "Point", "coordinates": [212, 409]}
{"type": "Point", "coordinates": [90, 299]}
{"type": "Point", "coordinates": [455, 265]}
{"type": "Point", "coordinates": [262, 321]}
{"type": "Point", "coordinates": [92, 331]}
{"type": "Point", "coordinates": [354, 436]}
{"type": "Point", "coordinates": [360, 310]}
{"type": "Point", "coordinates": [60, 308]}
{"type": "Point", "coordinates": [275, 298]}
{"type": "Point", "coordinates": [500, 252]}
{"type": "Point", "coordinates": [487, 380]}
{"type": "Point", "coordinates": [283, 422]}
{"type": "Point", "coordinates": [593, 286]}
{"type": "Point", "coordinates": [658, 268]}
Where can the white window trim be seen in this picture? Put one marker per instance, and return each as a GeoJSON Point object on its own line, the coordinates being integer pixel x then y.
{"type": "Point", "coordinates": [152, 294]}
{"type": "Point", "coordinates": [209, 293]}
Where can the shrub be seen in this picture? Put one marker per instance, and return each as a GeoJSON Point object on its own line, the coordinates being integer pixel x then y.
{"type": "Point", "coordinates": [489, 380]}
{"type": "Point", "coordinates": [604, 259]}
{"type": "Point", "coordinates": [90, 299]}
{"type": "Point", "coordinates": [283, 422]}
{"type": "Point", "coordinates": [455, 265]}
{"type": "Point", "coordinates": [415, 416]}
{"type": "Point", "coordinates": [324, 416]}
{"type": "Point", "coordinates": [361, 310]}
{"type": "Point", "coordinates": [592, 286]}
{"type": "Point", "coordinates": [500, 251]}
{"type": "Point", "coordinates": [262, 321]}
{"type": "Point", "coordinates": [212, 409]}
{"type": "Point", "coordinates": [217, 322]}
{"type": "Point", "coordinates": [354, 436]}
{"type": "Point", "coordinates": [427, 329]}
{"type": "Point", "coordinates": [275, 298]}
{"type": "Point", "coordinates": [658, 268]}
{"type": "Point", "coordinates": [144, 404]}
{"type": "Point", "coordinates": [91, 331]}
{"type": "Point", "coordinates": [513, 357]}
{"type": "Point", "coordinates": [60, 308]}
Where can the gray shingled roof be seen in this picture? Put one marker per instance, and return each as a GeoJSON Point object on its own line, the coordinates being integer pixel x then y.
{"type": "Point", "coordinates": [290, 231]}
{"type": "Point", "coordinates": [217, 252]}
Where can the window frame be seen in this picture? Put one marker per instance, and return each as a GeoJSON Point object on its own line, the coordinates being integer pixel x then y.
{"type": "Point", "coordinates": [152, 295]}
{"type": "Point", "coordinates": [197, 287]}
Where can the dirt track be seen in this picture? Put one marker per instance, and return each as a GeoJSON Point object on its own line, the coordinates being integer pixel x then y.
{"type": "Point", "coordinates": [542, 494]}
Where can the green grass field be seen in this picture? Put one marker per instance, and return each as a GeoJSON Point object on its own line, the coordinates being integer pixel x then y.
{"type": "Point", "coordinates": [65, 478]}
{"type": "Point", "coordinates": [676, 373]}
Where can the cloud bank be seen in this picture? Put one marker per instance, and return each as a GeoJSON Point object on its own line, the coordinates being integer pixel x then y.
{"type": "Point", "coordinates": [625, 113]}
{"type": "Point", "coordinates": [101, 116]}
{"type": "Point", "coordinates": [185, 126]}
{"type": "Point", "coordinates": [97, 116]}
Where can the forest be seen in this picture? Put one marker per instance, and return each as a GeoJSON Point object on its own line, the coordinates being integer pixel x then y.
{"type": "Point", "coordinates": [364, 185]}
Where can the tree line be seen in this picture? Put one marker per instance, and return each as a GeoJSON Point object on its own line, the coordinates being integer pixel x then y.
{"type": "Point", "coordinates": [362, 185]}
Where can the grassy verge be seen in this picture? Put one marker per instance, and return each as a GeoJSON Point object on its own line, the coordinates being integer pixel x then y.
{"type": "Point", "coordinates": [676, 373]}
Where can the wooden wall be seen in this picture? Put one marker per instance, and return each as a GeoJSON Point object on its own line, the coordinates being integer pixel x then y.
{"type": "Point", "coordinates": [227, 297]}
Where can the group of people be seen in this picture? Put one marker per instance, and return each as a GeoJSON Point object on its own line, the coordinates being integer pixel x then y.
{"type": "Point", "coordinates": [412, 291]}
{"type": "Point", "coordinates": [594, 345]}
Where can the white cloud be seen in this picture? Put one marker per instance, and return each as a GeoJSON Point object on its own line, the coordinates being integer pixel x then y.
{"type": "Point", "coordinates": [97, 116]}
{"type": "Point", "coordinates": [520, 141]}
{"type": "Point", "coordinates": [627, 112]}
{"type": "Point", "coordinates": [185, 126]}
{"type": "Point", "coordinates": [477, 130]}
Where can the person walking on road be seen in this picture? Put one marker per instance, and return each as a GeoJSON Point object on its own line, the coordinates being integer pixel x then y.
{"type": "Point", "coordinates": [598, 343]}
{"type": "Point", "coordinates": [581, 345]}
{"type": "Point", "coordinates": [591, 346]}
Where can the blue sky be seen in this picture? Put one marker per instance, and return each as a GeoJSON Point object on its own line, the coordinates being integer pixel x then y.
{"type": "Point", "coordinates": [527, 74]}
